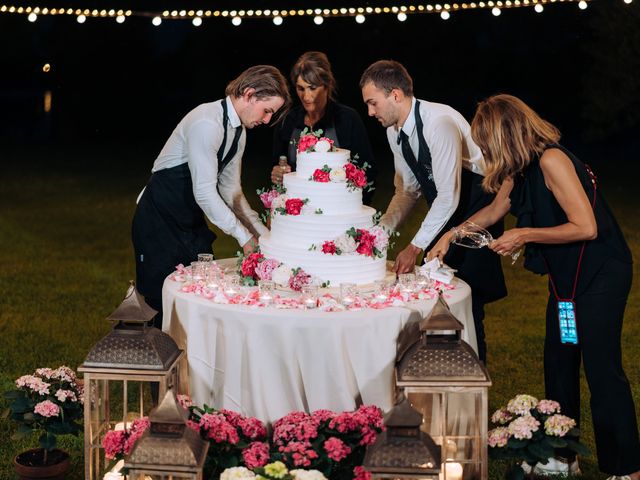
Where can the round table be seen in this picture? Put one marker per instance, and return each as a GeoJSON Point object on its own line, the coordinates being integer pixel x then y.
{"type": "Point", "coordinates": [267, 362]}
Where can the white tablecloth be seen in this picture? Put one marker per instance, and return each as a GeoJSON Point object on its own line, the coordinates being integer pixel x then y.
{"type": "Point", "coordinates": [267, 362]}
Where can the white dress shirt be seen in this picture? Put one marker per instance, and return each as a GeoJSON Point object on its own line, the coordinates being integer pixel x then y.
{"type": "Point", "coordinates": [448, 136]}
{"type": "Point", "coordinates": [196, 141]}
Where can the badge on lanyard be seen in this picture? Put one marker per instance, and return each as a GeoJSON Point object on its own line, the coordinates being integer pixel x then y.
{"type": "Point", "coordinates": [567, 322]}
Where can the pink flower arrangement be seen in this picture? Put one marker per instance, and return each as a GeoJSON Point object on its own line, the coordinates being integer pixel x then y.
{"type": "Point", "coordinates": [268, 197]}
{"type": "Point", "coordinates": [329, 247]}
{"type": "Point", "coordinates": [355, 176]}
{"type": "Point", "coordinates": [118, 443]}
{"type": "Point", "coordinates": [249, 264]}
{"type": "Point", "coordinates": [529, 430]}
{"type": "Point", "coordinates": [48, 401]}
{"type": "Point", "coordinates": [233, 438]}
{"type": "Point", "coordinates": [370, 243]}
{"type": "Point", "coordinates": [359, 473]}
{"type": "Point", "coordinates": [307, 142]}
{"type": "Point", "coordinates": [293, 206]}
{"type": "Point", "coordinates": [326, 440]}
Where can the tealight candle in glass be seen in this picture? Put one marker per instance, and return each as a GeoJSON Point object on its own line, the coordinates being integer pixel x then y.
{"type": "Point", "coordinates": [380, 290]}
{"type": "Point", "coordinates": [422, 283]}
{"type": "Point", "coordinates": [309, 296]}
{"type": "Point", "coordinates": [213, 278]}
{"type": "Point", "coordinates": [231, 285]}
{"type": "Point", "coordinates": [197, 271]}
{"type": "Point", "coordinates": [407, 282]}
{"type": "Point", "coordinates": [265, 288]}
{"type": "Point", "coordinates": [348, 293]}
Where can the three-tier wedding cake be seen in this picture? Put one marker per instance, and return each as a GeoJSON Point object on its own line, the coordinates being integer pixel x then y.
{"type": "Point", "coordinates": [320, 224]}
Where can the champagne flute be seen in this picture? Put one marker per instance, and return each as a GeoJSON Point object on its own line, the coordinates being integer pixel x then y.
{"type": "Point", "coordinates": [470, 235]}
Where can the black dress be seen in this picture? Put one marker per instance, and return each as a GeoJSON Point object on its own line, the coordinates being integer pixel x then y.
{"type": "Point", "coordinates": [601, 294]}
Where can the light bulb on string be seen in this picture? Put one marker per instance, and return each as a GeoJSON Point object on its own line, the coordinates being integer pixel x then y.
{"type": "Point", "coordinates": [496, 11]}
{"type": "Point", "coordinates": [628, 1]}
{"type": "Point", "coordinates": [582, 5]}
{"type": "Point", "coordinates": [445, 15]}
{"type": "Point", "coordinates": [156, 21]}
{"type": "Point", "coordinates": [120, 18]}
{"type": "Point", "coordinates": [32, 17]}
{"type": "Point", "coordinates": [538, 8]}
{"type": "Point", "coordinates": [236, 21]}
{"type": "Point", "coordinates": [277, 20]}
{"type": "Point", "coordinates": [318, 20]}
{"type": "Point", "coordinates": [360, 18]}
{"type": "Point", "coordinates": [197, 21]}
{"type": "Point", "coordinates": [81, 18]}
{"type": "Point", "coordinates": [402, 16]}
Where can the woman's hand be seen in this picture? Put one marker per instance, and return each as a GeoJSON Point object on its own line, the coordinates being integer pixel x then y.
{"type": "Point", "coordinates": [441, 247]}
{"type": "Point", "coordinates": [510, 242]}
{"type": "Point", "coordinates": [278, 172]}
{"type": "Point", "coordinates": [250, 246]}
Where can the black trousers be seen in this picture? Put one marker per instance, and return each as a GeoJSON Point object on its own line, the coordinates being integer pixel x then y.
{"type": "Point", "coordinates": [599, 313]}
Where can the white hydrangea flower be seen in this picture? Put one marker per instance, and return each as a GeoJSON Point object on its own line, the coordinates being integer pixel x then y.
{"type": "Point", "coordinates": [279, 202]}
{"type": "Point", "coordinates": [307, 475]}
{"type": "Point", "coordinates": [281, 275]}
{"type": "Point", "coordinates": [322, 146]}
{"type": "Point", "coordinates": [338, 175]}
{"type": "Point", "coordinates": [237, 473]}
{"type": "Point", "coordinates": [346, 244]}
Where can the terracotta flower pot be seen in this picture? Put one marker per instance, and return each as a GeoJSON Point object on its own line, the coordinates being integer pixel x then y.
{"type": "Point", "coordinates": [30, 464]}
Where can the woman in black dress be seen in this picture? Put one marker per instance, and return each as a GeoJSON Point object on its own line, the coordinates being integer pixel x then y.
{"type": "Point", "coordinates": [315, 85]}
{"type": "Point", "coordinates": [571, 235]}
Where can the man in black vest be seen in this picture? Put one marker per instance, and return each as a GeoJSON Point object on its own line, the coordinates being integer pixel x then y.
{"type": "Point", "coordinates": [197, 174]}
{"type": "Point", "coordinates": [434, 157]}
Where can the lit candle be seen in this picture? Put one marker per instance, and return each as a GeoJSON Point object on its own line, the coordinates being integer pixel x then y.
{"type": "Point", "coordinates": [266, 298]}
{"type": "Point", "coordinates": [310, 302]}
{"type": "Point", "coordinates": [381, 297]}
{"type": "Point", "coordinates": [452, 471]}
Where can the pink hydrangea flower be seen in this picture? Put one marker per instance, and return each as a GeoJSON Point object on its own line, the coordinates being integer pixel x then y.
{"type": "Point", "coordinates": [256, 455]}
{"type": "Point", "coordinates": [185, 401]}
{"type": "Point", "coordinates": [218, 428]}
{"type": "Point", "coordinates": [359, 473]}
{"type": "Point", "coordinates": [498, 437]}
{"type": "Point", "coordinates": [523, 427]}
{"type": "Point", "coordinates": [336, 449]}
{"type": "Point", "coordinates": [300, 452]}
{"type": "Point", "coordinates": [63, 395]}
{"type": "Point", "coordinates": [501, 416]}
{"type": "Point", "coordinates": [264, 270]}
{"type": "Point", "coordinates": [322, 415]}
{"type": "Point", "coordinates": [112, 443]}
{"type": "Point", "coordinates": [558, 425]}
{"type": "Point", "coordinates": [381, 237]}
{"type": "Point", "coordinates": [252, 428]}
{"type": "Point", "coordinates": [522, 404]}
{"type": "Point", "coordinates": [268, 197]}
{"type": "Point", "coordinates": [548, 407]}
{"type": "Point", "coordinates": [47, 409]}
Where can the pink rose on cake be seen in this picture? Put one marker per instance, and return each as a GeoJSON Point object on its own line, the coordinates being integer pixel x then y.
{"type": "Point", "coordinates": [321, 176]}
{"type": "Point", "coordinates": [355, 176]}
{"type": "Point", "coordinates": [329, 247]}
{"type": "Point", "coordinates": [365, 242]}
{"type": "Point", "coordinates": [293, 206]}
{"type": "Point", "coordinates": [306, 142]}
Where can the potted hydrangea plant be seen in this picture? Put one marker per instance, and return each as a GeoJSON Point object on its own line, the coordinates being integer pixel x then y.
{"type": "Point", "coordinates": [49, 402]}
{"type": "Point", "coordinates": [529, 430]}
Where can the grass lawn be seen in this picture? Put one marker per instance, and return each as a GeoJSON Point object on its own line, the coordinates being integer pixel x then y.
{"type": "Point", "coordinates": [66, 258]}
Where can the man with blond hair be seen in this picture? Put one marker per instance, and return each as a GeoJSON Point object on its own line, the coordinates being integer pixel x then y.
{"type": "Point", "coordinates": [197, 177]}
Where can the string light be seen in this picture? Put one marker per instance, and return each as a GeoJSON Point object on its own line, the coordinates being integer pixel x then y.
{"type": "Point", "coordinates": [156, 21]}
{"type": "Point", "coordinates": [628, 1]}
{"type": "Point", "coordinates": [445, 15]}
{"type": "Point", "coordinates": [197, 21]}
{"type": "Point", "coordinates": [318, 14]}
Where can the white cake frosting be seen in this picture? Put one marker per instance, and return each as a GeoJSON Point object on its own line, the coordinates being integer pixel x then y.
{"type": "Point", "coordinates": [292, 235]}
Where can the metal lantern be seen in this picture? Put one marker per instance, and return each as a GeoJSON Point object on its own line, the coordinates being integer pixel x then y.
{"type": "Point", "coordinates": [116, 371]}
{"type": "Point", "coordinates": [403, 451]}
{"type": "Point", "coordinates": [168, 450]}
{"type": "Point", "coordinates": [444, 380]}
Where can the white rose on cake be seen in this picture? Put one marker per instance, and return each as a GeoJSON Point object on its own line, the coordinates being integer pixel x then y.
{"type": "Point", "coordinates": [346, 243]}
{"type": "Point", "coordinates": [338, 175]}
{"type": "Point", "coordinates": [322, 146]}
{"type": "Point", "coordinates": [281, 275]}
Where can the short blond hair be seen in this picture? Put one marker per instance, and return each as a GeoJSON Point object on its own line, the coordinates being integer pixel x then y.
{"type": "Point", "coordinates": [510, 134]}
{"type": "Point", "coordinates": [267, 81]}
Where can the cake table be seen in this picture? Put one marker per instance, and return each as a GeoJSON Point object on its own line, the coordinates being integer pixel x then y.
{"type": "Point", "coordinates": [266, 362]}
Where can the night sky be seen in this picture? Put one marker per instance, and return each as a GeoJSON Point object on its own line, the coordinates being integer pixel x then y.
{"type": "Point", "coordinates": [133, 82]}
